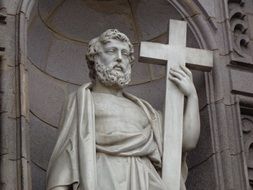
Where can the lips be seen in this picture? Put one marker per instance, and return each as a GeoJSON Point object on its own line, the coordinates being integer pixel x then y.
{"type": "Point", "coordinates": [118, 68]}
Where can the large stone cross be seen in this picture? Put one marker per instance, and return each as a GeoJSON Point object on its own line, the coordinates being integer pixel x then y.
{"type": "Point", "coordinates": [175, 53]}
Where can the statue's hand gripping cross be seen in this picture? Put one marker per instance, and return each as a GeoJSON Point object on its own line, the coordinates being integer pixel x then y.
{"type": "Point", "coordinates": [175, 53]}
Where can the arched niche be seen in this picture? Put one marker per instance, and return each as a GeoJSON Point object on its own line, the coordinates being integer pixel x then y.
{"type": "Point", "coordinates": [57, 36]}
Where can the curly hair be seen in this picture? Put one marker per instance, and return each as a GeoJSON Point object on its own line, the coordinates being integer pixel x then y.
{"type": "Point", "coordinates": [94, 46]}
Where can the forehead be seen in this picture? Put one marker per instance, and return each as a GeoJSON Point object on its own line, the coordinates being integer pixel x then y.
{"type": "Point", "coordinates": [112, 43]}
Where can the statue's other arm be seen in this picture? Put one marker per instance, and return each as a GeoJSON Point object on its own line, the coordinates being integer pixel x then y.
{"type": "Point", "coordinates": [182, 77]}
{"type": "Point", "coordinates": [191, 123]}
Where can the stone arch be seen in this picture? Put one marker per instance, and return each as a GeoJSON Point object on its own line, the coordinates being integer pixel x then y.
{"type": "Point", "coordinates": [15, 170]}
{"type": "Point", "coordinates": [200, 26]}
{"type": "Point", "coordinates": [200, 23]}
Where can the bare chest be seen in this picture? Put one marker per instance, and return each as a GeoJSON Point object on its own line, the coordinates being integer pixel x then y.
{"type": "Point", "coordinates": [114, 113]}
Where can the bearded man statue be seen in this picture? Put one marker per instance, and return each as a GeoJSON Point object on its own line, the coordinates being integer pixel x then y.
{"type": "Point", "coordinates": [110, 139]}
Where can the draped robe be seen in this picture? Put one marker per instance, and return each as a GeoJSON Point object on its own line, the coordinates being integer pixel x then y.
{"type": "Point", "coordinates": [73, 161]}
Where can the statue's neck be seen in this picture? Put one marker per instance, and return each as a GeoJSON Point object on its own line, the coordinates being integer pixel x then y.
{"type": "Point", "coordinates": [98, 87]}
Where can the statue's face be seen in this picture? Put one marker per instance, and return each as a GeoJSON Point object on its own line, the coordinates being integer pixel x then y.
{"type": "Point", "coordinates": [112, 64]}
{"type": "Point", "coordinates": [115, 54]}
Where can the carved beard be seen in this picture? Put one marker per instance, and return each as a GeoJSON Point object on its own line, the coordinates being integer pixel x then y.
{"type": "Point", "coordinates": [109, 76]}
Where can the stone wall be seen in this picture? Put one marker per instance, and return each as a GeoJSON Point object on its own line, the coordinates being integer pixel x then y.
{"type": "Point", "coordinates": [48, 39]}
{"type": "Point", "coordinates": [14, 127]}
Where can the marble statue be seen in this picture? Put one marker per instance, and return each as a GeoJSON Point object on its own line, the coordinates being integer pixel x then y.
{"type": "Point", "coordinates": [113, 140]}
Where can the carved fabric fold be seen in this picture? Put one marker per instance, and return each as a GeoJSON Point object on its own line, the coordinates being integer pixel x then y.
{"type": "Point", "coordinates": [74, 159]}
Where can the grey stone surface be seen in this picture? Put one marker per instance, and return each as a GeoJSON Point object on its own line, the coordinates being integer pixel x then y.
{"type": "Point", "coordinates": [71, 88]}
{"type": "Point", "coordinates": [191, 40]}
{"type": "Point", "coordinates": [204, 149]}
{"type": "Point", "coordinates": [46, 93]}
{"type": "Point", "coordinates": [71, 20]}
{"type": "Point", "coordinates": [39, 42]}
{"type": "Point", "coordinates": [140, 73]}
{"type": "Point", "coordinates": [247, 129]}
{"type": "Point", "coordinates": [199, 82]}
{"type": "Point", "coordinates": [208, 7]}
{"type": "Point", "coordinates": [47, 7]}
{"type": "Point", "coordinates": [8, 137]}
{"type": "Point", "coordinates": [241, 81]}
{"type": "Point", "coordinates": [152, 17]}
{"type": "Point", "coordinates": [224, 48]}
{"type": "Point", "coordinates": [32, 13]}
{"type": "Point", "coordinates": [250, 19]}
{"type": "Point", "coordinates": [153, 92]}
{"type": "Point", "coordinates": [9, 167]}
{"type": "Point", "coordinates": [66, 61]}
{"type": "Point", "coordinates": [38, 178]}
{"type": "Point", "coordinates": [8, 87]}
{"type": "Point", "coordinates": [157, 71]}
{"type": "Point", "coordinates": [248, 7]}
{"type": "Point", "coordinates": [9, 41]}
{"type": "Point", "coordinates": [188, 8]}
{"type": "Point", "coordinates": [11, 7]}
{"type": "Point", "coordinates": [203, 176]}
{"type": "Point", "coordinates": [43, 138]}
{"type": "Point", "coordinates": [221, 79]}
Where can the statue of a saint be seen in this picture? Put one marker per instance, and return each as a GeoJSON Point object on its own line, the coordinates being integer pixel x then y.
{"type": "Point", "coordinates": [110, 139]}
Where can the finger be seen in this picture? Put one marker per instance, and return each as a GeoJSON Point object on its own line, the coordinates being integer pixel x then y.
{"type": "Point", "coordinates": [186, 70]}
{"type": "Point", "coordinates": [176, 74]}
{"type": "Point", "coordinates": [175, 80]}
{"type": "Point", "coordinates": [180, 71]}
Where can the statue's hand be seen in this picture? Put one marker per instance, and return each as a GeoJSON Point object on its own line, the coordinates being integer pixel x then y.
{"type": "Point", "coordinates": [182, 77]}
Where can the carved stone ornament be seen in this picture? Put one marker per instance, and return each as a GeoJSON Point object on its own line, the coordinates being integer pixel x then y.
{"type": "Point", "coordinates": [247, 127]}
{"type": "Point", "coordinates": [239, 29]}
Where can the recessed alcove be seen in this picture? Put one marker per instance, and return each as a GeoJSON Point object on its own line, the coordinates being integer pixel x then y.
{"type": "Point", "coordinates": [58, 35]}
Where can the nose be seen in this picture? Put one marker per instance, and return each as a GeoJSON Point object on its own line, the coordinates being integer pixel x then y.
{"type": "Point", "coordinates": [119, 57]}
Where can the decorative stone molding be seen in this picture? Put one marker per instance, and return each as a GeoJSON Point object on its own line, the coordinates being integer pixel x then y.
{"type": "Point", "coordinates": [247, 129]}
{"type": "Point", "coordinates": [14, 137]}
{"type": "Point", "coordinates": [246, 133]}
{"type": "Point", "coordinates": [202, 28]}
{"type": "Point", "coordinates": [239, 33]}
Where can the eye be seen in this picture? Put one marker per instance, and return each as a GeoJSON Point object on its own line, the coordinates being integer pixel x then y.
{"type": "Point", "coordinates": [126, 53]}
{"type": "Point", "coordinates": [111, 50]}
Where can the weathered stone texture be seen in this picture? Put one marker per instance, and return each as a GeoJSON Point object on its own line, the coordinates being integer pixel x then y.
{"type": "Point", "coordinates": [241, 81]}
{"type": "Point", "coordinates": [8, 112]}
{"type": "Point", "coordinates": [56, 43]}
{"type": "Point", "coordinates": [45, 94]}
{"type": "Point", "coordinates": [203, 151]}
{"type": "Point", "coordinates": [66, 58]}
{"type": "Point", "coordinates": [247, 130]}
{"type": "Point", "coordinates": [14, 156]}
{"type": "Point", "coordinates": [203, 176]}
{"type": "Point", "coordinates": [38, 52]}
{"type": "Point", "coordinates": [57, 63]}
